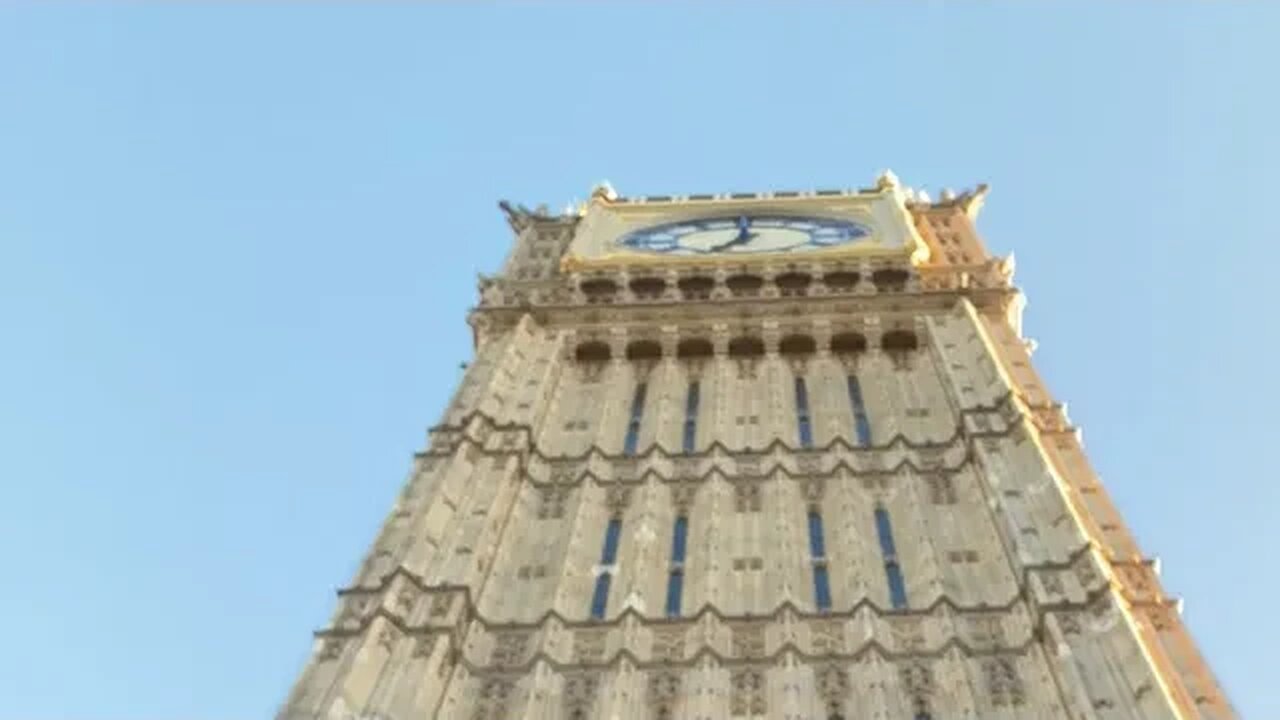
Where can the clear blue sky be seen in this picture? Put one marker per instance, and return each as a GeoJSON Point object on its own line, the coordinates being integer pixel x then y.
{"type": "Point", "coordinates": [237, 244]}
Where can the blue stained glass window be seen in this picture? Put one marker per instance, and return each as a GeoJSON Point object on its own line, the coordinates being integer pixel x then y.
{"type": "Point", "coordinates": [633, 437]}
{"type": "Point", "coordinates": [675, 586]}
{"type": "Point", "coordinates": [691, 416]}
{"type": "Point", "coordinates": [637, 401]}
{"type": "Point", "coordinates": [817, 549]}
{"type": "Point", "coordinates": [821, 587]}
{"type": "Point", "coordinates": [633, 425]}
{"type": "Point", "coordinates": [885, 531]}
{"type": "Point", "coordinates": [855, 393]}
{"type": "Point", "coordinates": [802, 397]}
{"type": "Point", "coordinates": [861, 426]}
{"type": "Point", "coordinates": [691, 400]}
{"type": "Point", "coordinates": [897, 589]}
{"type": "Point", "coordinates": [863, 429]}
{"type": "Point", "coordinates": [806, 434]}
{"type": "Point", "coordinates": [678, 539]}
{"type": "Point", "coordinates": [802, 413]}
{"type": "Point", "coordinates": [600, 598]}
{"type": "Point", "coordinates": [611, 536]}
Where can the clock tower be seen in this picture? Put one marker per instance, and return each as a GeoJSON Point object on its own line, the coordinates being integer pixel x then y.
{"type": "Point", "coordinates": [774, 455]}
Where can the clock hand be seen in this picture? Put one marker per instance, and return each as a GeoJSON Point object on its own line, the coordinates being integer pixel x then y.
{"type": "Point", "coordinates": [744, 235]}
{"type": "Point", "coordinates": [738, 240]}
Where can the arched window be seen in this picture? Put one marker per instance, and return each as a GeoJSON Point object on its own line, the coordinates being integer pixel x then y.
{"type": "Point", "coordinates": [849, 343]}
{"type": "Point", "coordinates": [694, 348]}
{"type": "Point", "coordinates": [697, 287]}
{"type": "Point", "coordinates": [890, 279]}
{"type": "Point", "coordinates": [899, 341]}
{"type": "Point", "coordinates": [592, 351]}
{"type": "Point", "coordinates": [893, 571]}
{"type": "Point", "coordinates": [648, 288]}
{"type": "Point", "coordinates": [797, 345]}
{"type": "Point", "coordinates": [644, 350]}
{"type": "Point", "coordinates": [841, 281]}
{"type": "Point", "coordinates": [744, 285]}
{"type": "Point", "coordinates": [599, 290]}
{"type": "Point", "coordinates": [818, 558]}
{"type": "Point", "coordinates": [793, 283]}
{"type": "Point", "coordinates": [746, 347]}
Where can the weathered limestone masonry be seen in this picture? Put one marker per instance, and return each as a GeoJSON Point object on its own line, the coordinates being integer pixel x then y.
{"type": "Point", "coordinates": [754, 456]}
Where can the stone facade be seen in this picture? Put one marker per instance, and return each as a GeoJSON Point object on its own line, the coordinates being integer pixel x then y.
{"type": "Point", "coordinates": [932, 544]}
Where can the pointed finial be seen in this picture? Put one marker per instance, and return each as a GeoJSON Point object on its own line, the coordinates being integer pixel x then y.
{"type": "Point", "coordinates": [634, 601]}
{"type": "Point", "coordinates": [604, 190]}
{"type": "Point", "coordinates": [948, 195]}
{"type": "Point", "coordinates": [971, 203]}
{"type": "Point", "coordinates": [517, 215]}
{"type": "Point", "coordinates": [887, 180]}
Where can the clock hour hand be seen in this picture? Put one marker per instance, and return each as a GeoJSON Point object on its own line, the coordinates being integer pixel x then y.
{"type": "Point", "coordinates": [744, 235]}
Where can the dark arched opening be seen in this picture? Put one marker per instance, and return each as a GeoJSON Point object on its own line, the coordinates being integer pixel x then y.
{"type": "Point", "coordinates": [746, 347]}
{"type": "Point", "coordinates": [793, 345]}
{"type": "Point", "coordinates": [899, 341]}
{"type": "Point", "coordinates": [890, 279]}
{"type": "Point", "coordinates": [599, 290]}
{"type": "Point", "coordinates": [849, 343]}
{"type": "Point", "coordinates": [694, 348]}
{"type": "Point", "coordinates": [698, 287]}
{"type": "Point", "coordinates": [644, 350]}
{"type": "Point", "coordinates": [841, 280]}
{"type": "Point", "coordinates": [793, 283]}
{"type": "Point", "coordinates": [648, 288]}
{"type": "Point", "coordinates": [744, 285]}
{"type": "Point", "coordinates": [592, 351]}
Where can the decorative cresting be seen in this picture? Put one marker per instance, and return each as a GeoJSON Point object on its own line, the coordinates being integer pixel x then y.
{"type": "Point", "coordinates": [602, 466]}
{"type": "Point", "coordinates": [513, 647]}
{"type": "Point", "coordinates": [874, 223]}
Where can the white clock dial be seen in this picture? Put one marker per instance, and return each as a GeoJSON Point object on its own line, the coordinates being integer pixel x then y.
{"type": "Point", "coordinates": [744, 234]}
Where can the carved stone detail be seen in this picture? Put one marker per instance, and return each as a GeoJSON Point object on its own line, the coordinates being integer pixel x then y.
{"type": "Point", "coordinates": [747, 496]}
{"type": "Point", "coordinates": [509, 649]}
{"type": "Point", "coordinates": [589, 645]}
{"type": "Point", "coordinates": [669, 644]}
{"type": "Point", "coordinates": [580, 691]}
{"type": "Point", "coordinates": [747, 692]}
{"type": "Point", "coordinates": [617, 498]}
{"type": "Point", "coordinates": [682, 495]}
{"type": "Point", "coordinates": [331, 648]}
{"type": "Point", "coordinates": [827, 637]}
{"type": "Point", "coordinates": [663, 693]}
{"type": "Point", "coordinates": [1004, 686]}
{"type": "Point", "coordinates": [423, 645]}
{"type": "Point", "coordinates": [748, 640]}
{"type": "Point", "coordinates": [494, 697]}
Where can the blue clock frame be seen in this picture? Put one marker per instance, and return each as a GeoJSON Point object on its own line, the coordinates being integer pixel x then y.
{"type": "Point", "coordinates": [744, 234]}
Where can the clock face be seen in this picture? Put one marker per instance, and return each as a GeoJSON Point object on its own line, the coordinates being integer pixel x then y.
{"type": "Point", "coordinates": [744, 234]}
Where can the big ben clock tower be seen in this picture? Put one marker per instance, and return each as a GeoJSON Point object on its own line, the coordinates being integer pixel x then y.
{"type": "Point", "coordinates": [776, 455]}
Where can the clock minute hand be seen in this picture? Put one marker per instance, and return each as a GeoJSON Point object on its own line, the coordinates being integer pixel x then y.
{"type": "Point", "coordinates": [741, 239]}
{"type": "Point", "coordinates": [744, 235]}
